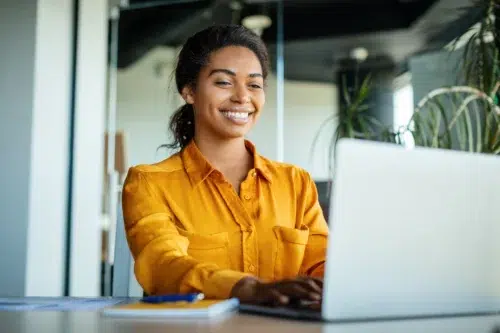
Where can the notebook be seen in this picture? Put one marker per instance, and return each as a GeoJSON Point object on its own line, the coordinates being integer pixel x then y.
{"type": "Point", "coordinates": [199, 309]}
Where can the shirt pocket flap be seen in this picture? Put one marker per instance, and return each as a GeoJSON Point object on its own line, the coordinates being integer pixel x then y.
{"type": "Point", "coordinates": [206, 242]}
{"type": "Point", "coordinates": [291, 235]}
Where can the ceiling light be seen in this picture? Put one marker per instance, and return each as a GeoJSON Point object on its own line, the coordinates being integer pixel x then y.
{"type": "Point", "coordinates": [257, 23]}
{"type": "Point", "coordinates": [235, 5]}
{"type": "Point", "coordinates": [359, 53]}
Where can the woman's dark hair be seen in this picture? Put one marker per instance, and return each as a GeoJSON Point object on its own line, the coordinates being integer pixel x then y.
{"type": "Point", "coordinates": [194, 56]}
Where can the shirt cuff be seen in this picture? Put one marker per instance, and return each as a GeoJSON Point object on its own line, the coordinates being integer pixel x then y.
{"type": "Point", "coordinates": [220, 284]}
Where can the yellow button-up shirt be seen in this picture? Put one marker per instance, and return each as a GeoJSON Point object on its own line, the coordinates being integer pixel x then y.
{"type": "Point", "coordinates": [188, 230]}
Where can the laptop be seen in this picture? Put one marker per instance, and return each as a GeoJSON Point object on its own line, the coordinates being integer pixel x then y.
{"type": "Point", "coordinates": [413, 233]}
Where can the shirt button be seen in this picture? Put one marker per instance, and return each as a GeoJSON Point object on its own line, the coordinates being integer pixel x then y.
{"type": "Point", "coordinates": [254, 174]}
{"type": "Point", "coordinates": [251, 268]}
{"type": "Point", "coordinates": [247, 197]}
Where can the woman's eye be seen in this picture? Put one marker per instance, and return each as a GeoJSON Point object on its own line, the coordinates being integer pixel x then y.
{"type": "Point", "coordinates": [255, 86]}
{"type": "Point", "coordinates": [222, 83]}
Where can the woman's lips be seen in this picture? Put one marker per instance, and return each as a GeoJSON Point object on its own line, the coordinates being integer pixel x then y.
{"type": "Point", "coordinates": [238, 117]}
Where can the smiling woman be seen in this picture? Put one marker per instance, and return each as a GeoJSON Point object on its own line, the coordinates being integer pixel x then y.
{"type": "Point", "coordinates": [240, 114]}
{"type": "Point", "coordinates": [228, 96]}
{"type": "Point", "coordinates": [217, 217]}
{"type": "Point", "coordinates": [205, 80]}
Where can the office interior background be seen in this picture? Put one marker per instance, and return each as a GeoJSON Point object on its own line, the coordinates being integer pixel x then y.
{"type": "Point", "coordinates": [86, 91]}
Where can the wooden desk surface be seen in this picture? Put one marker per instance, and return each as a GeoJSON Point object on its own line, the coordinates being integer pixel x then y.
{"type": "Point", "coordinates": [93, 322]}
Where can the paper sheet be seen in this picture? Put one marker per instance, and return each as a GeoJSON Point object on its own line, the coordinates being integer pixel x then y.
{"type": "Point", "coordinates": [56, 304]}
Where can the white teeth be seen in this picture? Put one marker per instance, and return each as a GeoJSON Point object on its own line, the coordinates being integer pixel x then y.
{"type": "Point", "coordinates": [236, 115]}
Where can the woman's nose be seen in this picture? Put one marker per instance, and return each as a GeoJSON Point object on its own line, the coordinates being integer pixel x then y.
{"type": "Point", "coordinates": [241, 95]}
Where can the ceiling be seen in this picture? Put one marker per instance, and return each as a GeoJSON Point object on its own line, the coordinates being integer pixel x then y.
{"type": "Point", "coordinates": [318, 34]}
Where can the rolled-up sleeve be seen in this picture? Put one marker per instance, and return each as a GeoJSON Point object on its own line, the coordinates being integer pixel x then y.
{"type": "Point", "coordinates": [162, 263]}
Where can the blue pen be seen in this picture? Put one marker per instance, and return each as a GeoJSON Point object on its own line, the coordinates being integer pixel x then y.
{"type": "Point", "coordinates": [191, 298]}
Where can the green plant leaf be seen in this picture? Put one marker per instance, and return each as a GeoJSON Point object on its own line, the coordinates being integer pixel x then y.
{"type": "Point", "coordinates": [489, 121]}
{"type": "Point", "coordinates": [368, 132]}
{"type": "Point", "coordinates": [365, 88]}
{"type": "Point", "coordinates": [331, 152]}
{"type": "Point", "coordinates": [361, 95]}
{"type": "Point", "coordinates": [347, 97]}
{"type": "Point", "coordinates": [458, 125]}
{"type": "Point", "coordinates": [496, 137]}
{"type": "Point", "coordinates": [478, 118]}
{"type": "Point", "coordinates": [436, 123]}
{"type": "Point", "coordinates": [363, 108]}
{"type": "Point", "coordinates": [470, 134]}
{"type": "Point", "coordinates": [419, 122]}
{"type": "Point", "coordinates": [375, 121]}
{"type": "Point", "coordinates": [320, 130]}
{"type": "Point", "coordinates": [447, 132]}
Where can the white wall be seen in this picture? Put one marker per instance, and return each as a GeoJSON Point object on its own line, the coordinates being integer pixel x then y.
{"type": "Point", "coordinates": [17, 59]}
{"type": "Point", "coordinates": [88, 160]}
{"type": "Point", "coordinates": [307, 106]}
{"type": "Point", "coordinates": [34, 90]}
{"type": "Point", "coordinates": [50, 148]}
{"type": "Point", "coordinates": [147, 98]}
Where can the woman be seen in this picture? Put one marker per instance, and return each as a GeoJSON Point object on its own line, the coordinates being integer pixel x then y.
{"type": "Point", "coordinates": [217, 217]}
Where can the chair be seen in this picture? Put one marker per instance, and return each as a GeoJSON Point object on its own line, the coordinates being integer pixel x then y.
{"type": "Point", "coordinates": [124, 283]}
{"type": "Point", "coordinates": [324, 189]}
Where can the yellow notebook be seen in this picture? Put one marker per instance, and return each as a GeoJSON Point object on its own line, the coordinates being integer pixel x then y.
{"type": "Point", "coordinates": [199, 309]}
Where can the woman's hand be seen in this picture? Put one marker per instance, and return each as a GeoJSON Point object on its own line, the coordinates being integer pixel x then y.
{"type": "Point", "coordinates": [250, 290]}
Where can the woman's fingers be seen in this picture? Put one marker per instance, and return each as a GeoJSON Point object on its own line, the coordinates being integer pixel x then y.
{"type": "Point", "coordinates": [250, 290]}
{"type": "Point", "coordinates": [309, 284]}
{"type": "Point", "coordinates": [299, 289]}
{"type": "Point", "coordinates": [278, 298]}
{"type": "Point", "coordinates": [318, 281]}
{"type": "Point", "coordinates": [269, 294]}
{"type": "Point", "coordinates": [312, 284]}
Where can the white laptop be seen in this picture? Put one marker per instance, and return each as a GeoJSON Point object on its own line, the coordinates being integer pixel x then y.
{"type": "Point", "coordinates": [413, 233]}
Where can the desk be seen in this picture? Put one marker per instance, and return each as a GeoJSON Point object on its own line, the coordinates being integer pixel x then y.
{"type": "Point", "coordinates": [93, 322]}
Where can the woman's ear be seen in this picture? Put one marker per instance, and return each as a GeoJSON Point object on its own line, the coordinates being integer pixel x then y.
{"type": "Point", "coordinates": [188, 95]}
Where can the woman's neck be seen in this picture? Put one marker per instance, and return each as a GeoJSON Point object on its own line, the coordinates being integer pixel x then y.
{"type": "Point", "coordinates": [225, 155]}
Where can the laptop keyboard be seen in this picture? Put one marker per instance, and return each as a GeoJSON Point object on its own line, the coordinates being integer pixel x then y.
{"type": "Point", "coordinates": [305, 305]}
{"type": "Point", "coordinates": [298, 309]}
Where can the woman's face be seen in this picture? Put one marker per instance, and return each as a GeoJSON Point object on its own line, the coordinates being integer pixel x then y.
{"type": "Point", "coordinates": [229, 94]}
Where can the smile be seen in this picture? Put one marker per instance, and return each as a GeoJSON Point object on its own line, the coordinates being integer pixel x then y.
{"type": "Point", "coordinates": [237, 117]}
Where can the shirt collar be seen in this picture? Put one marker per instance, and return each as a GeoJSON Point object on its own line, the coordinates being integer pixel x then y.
{"type": "Point", "coordinates": [260, 163]}
{"type": "Point", "coordinates": [198, 168]}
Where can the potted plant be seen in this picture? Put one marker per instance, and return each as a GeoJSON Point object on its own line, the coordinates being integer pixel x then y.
{"type": "Point", "coordinates": [463, 117]}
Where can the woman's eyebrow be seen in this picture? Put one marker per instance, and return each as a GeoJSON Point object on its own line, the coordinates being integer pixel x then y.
{"type": "Point", "coordinates": [230, 72]}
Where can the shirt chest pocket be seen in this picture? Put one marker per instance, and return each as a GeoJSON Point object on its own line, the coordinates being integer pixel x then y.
{"type": "Point", "coordinates": [290, 248]}
{"type": "Point", "coordinates": [212, 248]}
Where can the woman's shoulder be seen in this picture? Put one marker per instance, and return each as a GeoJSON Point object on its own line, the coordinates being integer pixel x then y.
{"type": "Point", "coordinates": [155, 177]}
{"type": "Point", "coordinates": [283, 169]}
{"type": "Point", "coordinates": [168, 165]}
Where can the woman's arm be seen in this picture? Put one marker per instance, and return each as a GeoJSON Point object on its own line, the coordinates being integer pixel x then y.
{"type": "Point", "coordinates": [162, 264]}
{"type": "Point", "coordinates": [315, 253]}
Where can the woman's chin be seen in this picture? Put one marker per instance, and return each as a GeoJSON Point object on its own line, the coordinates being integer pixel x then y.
{"type": "Point", "coordinates": [233, 132]}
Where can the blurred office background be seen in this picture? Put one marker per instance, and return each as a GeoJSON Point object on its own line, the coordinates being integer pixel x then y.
{"type": "Point", "coordinates": [86, 91]}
